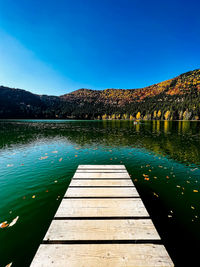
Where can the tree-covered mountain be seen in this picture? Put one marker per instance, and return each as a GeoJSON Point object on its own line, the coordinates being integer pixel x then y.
{"type": "Point", "coordinates": [177, 98]}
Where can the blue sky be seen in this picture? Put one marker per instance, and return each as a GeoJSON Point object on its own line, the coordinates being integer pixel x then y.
{"type": "Point", "coordinates": [54, 47]}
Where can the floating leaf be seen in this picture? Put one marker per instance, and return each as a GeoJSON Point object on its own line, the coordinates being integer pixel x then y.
{"type": "Point", "coordinates": [4, 224]}
{"type": "Point", "coordinates": [54, 152]}
{"type": "Point", "coordinates": [33, 196]}
{"type": "Point", "coordinates": [43, 158]}
{"type": "Point", "coordinates": [13, 221]}
{"type": "Point", "coordinates": [60, 159]}
{"type": "Point", "coordinates": [195, 191]}
{"type": "Point", "coordinates": [155, 194]}
{"type": "Point", "coordinates": [9, 265]}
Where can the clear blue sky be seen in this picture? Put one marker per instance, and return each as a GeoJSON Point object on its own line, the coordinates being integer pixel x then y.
{"type": "Point", "coordinates": [54, 47]}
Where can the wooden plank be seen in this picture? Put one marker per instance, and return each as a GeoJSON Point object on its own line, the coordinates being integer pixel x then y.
{"type": "Point", "coordinates": [101, 192]}
{"type": "Point", "coordinates": [101, 222]}
{"type": "Point", "coordinates": [99, 170]}
{"type": "Point", "coordinates": [121, 207]}
{"type": "Point", "coordinates": [101, 182]}
{"type": "Point", "coordinates": [111, 167]}
{"type": "Point", "coordinates": [102, 230]}
{"type": "Point", "coordinates": [96, 175]}
{"type": "Point", "coordinates": [102, 255]}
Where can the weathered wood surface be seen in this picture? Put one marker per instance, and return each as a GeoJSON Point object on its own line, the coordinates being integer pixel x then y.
{"type": "Point", "coordinates": [96, 175]}
{"type": "Point", "coordinates": [142, 229]}
{"type": "Point", "coordinates": [97, 207]}
{"type": "Point", "coordinates": [98, 223]}
{"type": "Point", "coordinates": [101, 170]}
{"type": "Point", "coordinates": [99, 192]}
{"type": "Point", "coordinates": [102, 167]}
{"type": "Point", "coordinates": [102, 255]}
{"type": "Point", "coordinates": [106, 182]}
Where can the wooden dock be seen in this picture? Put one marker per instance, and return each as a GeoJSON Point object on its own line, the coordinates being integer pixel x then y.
{"type": "Point", "coordinates": [101, 222]}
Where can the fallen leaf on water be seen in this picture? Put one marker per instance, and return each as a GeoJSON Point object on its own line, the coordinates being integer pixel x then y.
{"type": "Point", "coordinates": [195, 191]}
{"type": "Point", "coordinates": [55, 181]}
{"type": "Point", "coordinates": [8, 265]}
{"type": "Point", "coordinates": [76, 155]}
{"type": "Point", "coordinates": [54, 152]}
{"type": "Point", "coordinates": [169, 216]}
{"type": "Point", "coordinates": [192, 207]}
{"type": "Point", "coordinates": [13, 221]}
{"type": "Point", "coordinates": [167, 177]}
{"type": "Point", "coordinates": [47, 191]}
{"type": "Point", "coordinates": [4, 224]}
{"type": "Point", "coordinates": [9, 165]}
{"type": "Point", "coordinates": [33, 196]}
{"type": "Point", "coordinates": [178, 186]}
{"type": "Point", "coordinates": [155, 194]}
{"type": "Point", "coordinates": [146, 178]}
{"type": "Point", "coordinates": [43, 158]}
{"type": "Point", "coordinates": [60, 159]}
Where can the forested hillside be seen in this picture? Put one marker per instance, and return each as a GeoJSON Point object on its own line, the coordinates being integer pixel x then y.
{"type": "Point", "coordinates": [177, 98]}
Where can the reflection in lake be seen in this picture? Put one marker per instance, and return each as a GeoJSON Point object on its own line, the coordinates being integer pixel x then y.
{"type": "Point", "coordinates": [38, 158]}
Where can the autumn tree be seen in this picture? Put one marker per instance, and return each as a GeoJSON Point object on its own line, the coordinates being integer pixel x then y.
{"type": "Point", "coordinates": [113, 117]}
{"type": "Point", "coordinates": [125, 116]}
{"type": "Point", "coordinates": [159, 113]}
{"type": "Point", "coordinates": [104, 117]}
{"type": "Point", "coordinates": [187, 115]}
{"type": "Point", "coordinates": [138, 116]}
{"type": "Point", "coordinates": [167, 115]}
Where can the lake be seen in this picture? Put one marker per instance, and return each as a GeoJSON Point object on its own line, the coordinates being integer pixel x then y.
{"type": "Point", "coordinates": [39, 157]}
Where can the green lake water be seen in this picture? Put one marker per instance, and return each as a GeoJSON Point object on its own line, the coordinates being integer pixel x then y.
{"type": "Point", "coordinates": [38, 159]}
